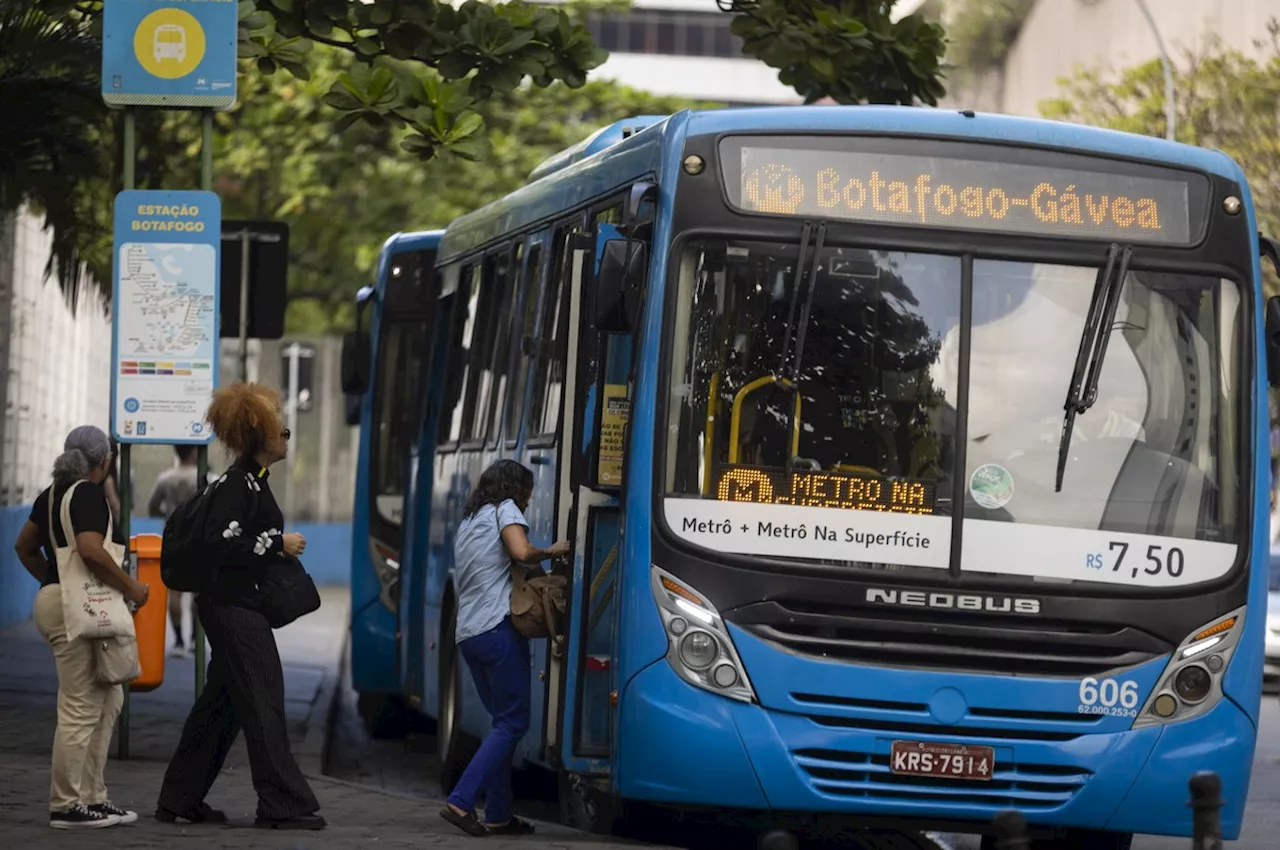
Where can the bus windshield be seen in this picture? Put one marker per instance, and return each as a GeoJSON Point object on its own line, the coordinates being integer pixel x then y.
{"type": "Point", "coordinates": [852, 408]}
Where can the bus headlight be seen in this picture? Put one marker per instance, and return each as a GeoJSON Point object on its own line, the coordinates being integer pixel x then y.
{"type": "Point", "coordinates": [698, 645]}
{"type": "Point", "coordinates": [1191, 683]}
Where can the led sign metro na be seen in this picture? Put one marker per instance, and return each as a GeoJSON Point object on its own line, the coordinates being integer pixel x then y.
{"type": "Point", "coordinates": [825, 490]}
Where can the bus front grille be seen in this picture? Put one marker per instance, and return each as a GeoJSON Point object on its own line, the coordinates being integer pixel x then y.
{"type": "Point", "coordinates": [1026, 787]}
{"type": "Point", "coordinates": [949, 640]}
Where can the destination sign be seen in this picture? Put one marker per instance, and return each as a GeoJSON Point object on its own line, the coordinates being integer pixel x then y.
{"type": "Point", "coordinates": [825, 490]}
{"type": "Point", "coordinates": [966, 194]}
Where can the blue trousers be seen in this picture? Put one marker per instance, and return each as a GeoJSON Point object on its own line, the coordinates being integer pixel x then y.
{"type": "Point", "coordinates": [499, 662]}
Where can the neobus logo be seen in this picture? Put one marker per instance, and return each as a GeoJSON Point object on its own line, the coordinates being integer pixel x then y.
{"type": "Point", "coordinates": [954, 601]}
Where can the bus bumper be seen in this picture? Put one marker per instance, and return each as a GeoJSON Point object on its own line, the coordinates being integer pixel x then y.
{"type": "Point", "coordinates": [682, 745]}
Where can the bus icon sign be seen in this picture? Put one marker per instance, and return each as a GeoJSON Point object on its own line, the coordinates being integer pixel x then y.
{"type": "Point", "coordinates": [170, 42]}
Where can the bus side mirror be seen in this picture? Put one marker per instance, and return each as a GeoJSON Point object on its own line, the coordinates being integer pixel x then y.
{"type": "Point", "coordinates": [1272, 334]}
{"type": "Point", "coordinates": [619, 285]}
{"type": "Point", "coordinates": [355, 363]}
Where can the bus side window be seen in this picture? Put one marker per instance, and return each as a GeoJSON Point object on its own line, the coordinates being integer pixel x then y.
{"type": "Point", "coordinates": [479, 392]}
{"type": "Point", "coordinates": [400, 354]}
{"type": "Point", "coordinates": [459, 363]}
{"type": "Point", "coordinates": [532, 281]}
{"type": "Point", "coordinates": [548, 382]}
{"type": "Point", "coordinates": [500, 363]}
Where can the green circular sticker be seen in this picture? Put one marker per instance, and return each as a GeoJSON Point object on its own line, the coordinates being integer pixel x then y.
{"type": "Point", "coordinates": [991, 486]}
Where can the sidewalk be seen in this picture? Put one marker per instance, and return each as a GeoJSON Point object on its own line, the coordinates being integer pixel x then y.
{"type": "Point", "coordinates": [359, 816]}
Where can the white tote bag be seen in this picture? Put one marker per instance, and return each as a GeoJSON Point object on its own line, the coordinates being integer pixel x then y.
{"type": "Point", "coordinates": [90, 608]}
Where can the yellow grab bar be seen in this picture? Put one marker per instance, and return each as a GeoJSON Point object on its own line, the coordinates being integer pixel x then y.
{"type": "Point", "coordinates": [858, 470]}
{"type": "Point", "coordinates": [735, 418]}
{"type": "Point", "coordinates": [709, 438]}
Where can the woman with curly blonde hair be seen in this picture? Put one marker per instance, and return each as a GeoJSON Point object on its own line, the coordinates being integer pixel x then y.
{"type": "Point", "coordinates": [245, 683]}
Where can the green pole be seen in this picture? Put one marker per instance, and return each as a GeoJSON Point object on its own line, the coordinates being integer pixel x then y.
{"type": "Point", "coordinates": [130, 154]}
{"type": "Point", "coordinates": [202, 454]}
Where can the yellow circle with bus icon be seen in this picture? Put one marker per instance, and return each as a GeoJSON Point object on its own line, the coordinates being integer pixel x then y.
{"type": "Point", "coordinates": [169, 43]}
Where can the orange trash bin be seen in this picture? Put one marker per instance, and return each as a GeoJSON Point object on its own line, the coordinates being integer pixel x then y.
{"type": "Point", "coordinates": [151, 619]}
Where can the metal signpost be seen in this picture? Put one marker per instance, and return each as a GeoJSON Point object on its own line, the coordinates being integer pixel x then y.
{"type": "Point", "coordinates": [176, 54]}
{"type": "Point", "coordinates": [164, 332]}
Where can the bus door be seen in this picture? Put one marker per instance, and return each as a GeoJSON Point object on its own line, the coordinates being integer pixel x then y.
{"type": "Point", "coordinates": [592, 511]}
{"type": "Point", "coordinates": [400, 355]}
{"type": "Point", "coordinates": [403, 355]}
{"type": "Point", "coordinates": [554, 415]}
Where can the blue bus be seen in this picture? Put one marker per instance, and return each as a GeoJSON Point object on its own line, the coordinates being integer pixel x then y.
{"type": "Point", "coordinates": [380, 365]}
{"type": "Point", "coordinates": [914, 464]}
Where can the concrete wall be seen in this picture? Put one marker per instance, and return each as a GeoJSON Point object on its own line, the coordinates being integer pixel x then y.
{"type": "Point", "coordinates": [17, 587]}
{"type": "Point", "coordinates": [1059, 36]}
{"type": "Point", "coordinates": [328, 558]}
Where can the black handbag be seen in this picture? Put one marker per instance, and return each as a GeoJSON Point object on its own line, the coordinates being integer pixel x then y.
{"type": "Point", "coordinates": [288, 592]}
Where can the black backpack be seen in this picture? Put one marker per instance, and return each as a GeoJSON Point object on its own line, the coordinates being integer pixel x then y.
{"type": "Point", "coordinates": [186, 562]}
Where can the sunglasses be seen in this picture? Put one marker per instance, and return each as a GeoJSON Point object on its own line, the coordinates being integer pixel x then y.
{"type": "Point", "coordinates": [286, 433]}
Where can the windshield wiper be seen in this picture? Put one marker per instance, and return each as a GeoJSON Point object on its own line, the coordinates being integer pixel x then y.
{"type": "Point", "coordinates": [801, 327]}
{"type": "Point", "coordinates": [805, 234]}
{"type": "Point", "coordinates": [1082, 392]}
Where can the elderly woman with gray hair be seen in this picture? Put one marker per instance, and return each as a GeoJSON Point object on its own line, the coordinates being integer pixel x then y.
{"type": "Point", "coordinates": [87, 710]}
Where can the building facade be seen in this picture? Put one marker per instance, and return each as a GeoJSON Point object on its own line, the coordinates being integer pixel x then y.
{"type": "Point", "coordinates": [683, 48]}
{"type": "Point", "coordinates": [1059, 36]}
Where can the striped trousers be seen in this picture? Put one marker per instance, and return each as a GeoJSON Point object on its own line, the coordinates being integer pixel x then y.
{"type": "Point", "coordinates": [244, 689]}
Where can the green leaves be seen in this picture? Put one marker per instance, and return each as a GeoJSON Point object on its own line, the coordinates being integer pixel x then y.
{"type": "Point", "coordinates": [426, 62]}
{"type": "Point", "coordinates": [849, 51]}
{"type": "Point", "coordinates": [437, 115]}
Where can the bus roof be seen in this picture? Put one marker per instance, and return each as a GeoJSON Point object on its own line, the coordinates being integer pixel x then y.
{"type": "Point", "coordinates": [420, 240]}
{"type": "Point", "coordinates": [610, 156]}
{"type": "Point", "coordinates": [602, 139]}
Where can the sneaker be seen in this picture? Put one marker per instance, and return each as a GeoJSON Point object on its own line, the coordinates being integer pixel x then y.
{"type": "Point", "coordinates": [178, 651]}
{"type": "Point", "coordinates": [80, 817]}
{"type": "Point", "coordinates": [111, 810]}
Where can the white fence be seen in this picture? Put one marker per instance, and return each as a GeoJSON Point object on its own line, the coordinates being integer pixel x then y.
{"type": "Point", "coordinates": [54, 366]}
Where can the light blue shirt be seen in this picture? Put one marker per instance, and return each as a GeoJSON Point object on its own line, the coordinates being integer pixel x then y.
{"type": "Point", "coordinates": [482, 569]}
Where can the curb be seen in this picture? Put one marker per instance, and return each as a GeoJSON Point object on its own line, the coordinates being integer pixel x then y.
{"type": "Point", "coordinates": [313, 752]}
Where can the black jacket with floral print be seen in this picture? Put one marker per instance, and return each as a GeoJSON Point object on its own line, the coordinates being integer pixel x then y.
{"type": "Point", "coordinates": [245, 532]}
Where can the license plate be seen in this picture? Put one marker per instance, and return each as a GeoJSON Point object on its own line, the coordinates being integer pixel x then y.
{"type": "Point", "coordinates": [947, 761]}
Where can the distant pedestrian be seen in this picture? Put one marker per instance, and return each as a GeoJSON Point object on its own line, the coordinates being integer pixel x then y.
{"type": "Point", "coordinates": [172, 488]}
{"type": "Point", "coordinates": [87, 710]}
{"type": "Point", "coordinates": [245, 684]}
{"type": "Point", "coordinates": [492, 534]}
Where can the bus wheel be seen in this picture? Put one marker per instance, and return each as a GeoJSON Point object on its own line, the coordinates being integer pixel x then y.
{"type": "Point", "coordinates": [451, 741]}
{"type": "Point", "coordinates": [384, 716]}
{"type": "Point", "coordinates": [585, 808]}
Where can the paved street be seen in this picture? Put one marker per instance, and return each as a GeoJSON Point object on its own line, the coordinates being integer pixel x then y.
{"type": "Point", "coordinates": [359, 816]}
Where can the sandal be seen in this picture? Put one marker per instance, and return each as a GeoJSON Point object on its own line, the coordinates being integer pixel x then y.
{"type": "Point", "coordinates": [515, 826]}
{"type": "Point", "coordinates": [468, 823]}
